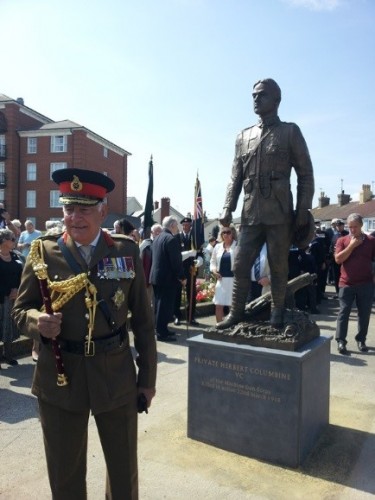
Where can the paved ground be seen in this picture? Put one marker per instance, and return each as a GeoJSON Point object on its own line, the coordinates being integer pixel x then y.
{"type": "Point", "coordinates": [173, 467]}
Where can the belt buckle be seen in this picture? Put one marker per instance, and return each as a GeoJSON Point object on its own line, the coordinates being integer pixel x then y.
{"type": "Point", "coordinates": [89, 348]}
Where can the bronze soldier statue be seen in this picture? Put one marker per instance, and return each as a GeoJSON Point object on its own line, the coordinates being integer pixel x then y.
{"type": "Point", "coordinates": [264, 156]}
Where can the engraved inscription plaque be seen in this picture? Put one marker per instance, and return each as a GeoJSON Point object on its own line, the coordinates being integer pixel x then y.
{"type": "Point", "coordinates": [262, 403]}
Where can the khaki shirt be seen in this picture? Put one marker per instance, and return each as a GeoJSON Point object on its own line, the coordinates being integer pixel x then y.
{"type": "Point", "coordinates": [106, 380]}
{"type": "Point", "coordinates": [263, 169]}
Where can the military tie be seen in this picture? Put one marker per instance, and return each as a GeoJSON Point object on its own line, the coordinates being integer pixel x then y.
{"type": "Point", "coordinates": [86, 252]}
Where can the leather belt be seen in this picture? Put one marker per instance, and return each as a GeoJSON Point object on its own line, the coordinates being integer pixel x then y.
{"type": "Point", "coordinates": [96, 346]}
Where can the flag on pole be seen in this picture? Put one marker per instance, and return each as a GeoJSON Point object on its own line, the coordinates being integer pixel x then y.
{"type": "Point", "coordinates": [148, 220]}
{"type": "Point", "coordinates": [198, 219]}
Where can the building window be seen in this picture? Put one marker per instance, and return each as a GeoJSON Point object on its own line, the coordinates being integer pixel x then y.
{"type": "Point", "coordinates": [370, 224]}
{"type": "Point", "coordinates": [30, 199]}
{"type": "Point", "coordinates": [2, 146]}
{"type": "Point", "coordinates": [59, 144]}
{"type": "Point", "coordinates": [105, 152]}
{"type": "Point", "coordinates": [2, 195]}
{"type": "Point", "coordinates": [2, 175]}
{"type": "Point", "coordinates": [54, 198]}
{"type": "Point", "coordinates": [57, 166]}
{"type": "Point", "coordinates": [31, 172]}
{"type": "Point", "coordinates": [32, 145]}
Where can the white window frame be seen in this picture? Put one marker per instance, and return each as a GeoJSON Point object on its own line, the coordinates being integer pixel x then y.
{"type": "Point", "coordinates": [105, 152]}
{"type": "Point", "coordinates": [59, 144]}
{"type": "Point", "coordinates": [31, 198]}
{"type": "Point", "coordinates": [56, 166]}
{"type": "Point", "coordinates": [54, 196]}
{"type": "Point", "coordinates": [31, 172]}
{"type": "Point", "coordinates": [32, 145]}
{"type": "Point", "coordinates": [2, 195]}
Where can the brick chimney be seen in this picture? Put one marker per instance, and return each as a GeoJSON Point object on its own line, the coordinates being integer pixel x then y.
{"type": "Point", "coordinates": [343, 199]}
{"type": "Point", "coordinates": [165, 208]}
{"type": "Point", "coordinates": [323, 200]}
{"type": "Point", "coordinates": [365, 194]}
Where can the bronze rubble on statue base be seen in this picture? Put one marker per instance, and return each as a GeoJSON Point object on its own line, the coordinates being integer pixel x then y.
{"type": "Point", "coordinates": [256, 330]}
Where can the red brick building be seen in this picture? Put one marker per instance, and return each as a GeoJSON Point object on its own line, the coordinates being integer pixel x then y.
{"type": "Point", "coordinates": [32, 146]}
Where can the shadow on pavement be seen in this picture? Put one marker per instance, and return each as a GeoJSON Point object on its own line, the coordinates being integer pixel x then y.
{"type": "Point", "coordinates": [21, 375]}
{"type": "Point", "coordinates": [335, 455]}
{"type": "Point", "coordinates": [164, 358]}
{"type": "Point", "coordinates": [15, 407]}
{"type": "Point", "coordinates": [348, 360]}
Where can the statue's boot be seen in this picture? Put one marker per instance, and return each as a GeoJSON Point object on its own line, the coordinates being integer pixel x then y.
{"type": "Point", "coordinates": [237, 311]}
{"type": "Point", "coordinates": [277, 317]}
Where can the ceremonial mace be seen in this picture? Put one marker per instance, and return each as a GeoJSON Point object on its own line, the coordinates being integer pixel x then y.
{"type": "Point", "coordinates": [40, 269]}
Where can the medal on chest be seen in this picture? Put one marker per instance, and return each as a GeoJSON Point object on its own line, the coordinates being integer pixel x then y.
{"type": "Point", "coordinates": [115, 268]}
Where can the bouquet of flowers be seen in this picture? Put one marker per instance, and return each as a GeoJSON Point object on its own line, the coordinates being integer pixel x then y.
{"type": "Point", "coordinates": [205, 290]}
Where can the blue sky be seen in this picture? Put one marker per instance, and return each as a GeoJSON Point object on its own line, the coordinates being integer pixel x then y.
{"type": "Point", "coordinates": [173, 79]}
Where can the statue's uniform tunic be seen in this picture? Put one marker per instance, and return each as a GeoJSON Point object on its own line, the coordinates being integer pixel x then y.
{"type": "Point", "coordinates": [105, 383]}
{"type": "Point", "coordinates": [264, 157]}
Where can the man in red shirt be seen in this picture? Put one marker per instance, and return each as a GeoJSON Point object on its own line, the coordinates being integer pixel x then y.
{"type": "Point", "coordinates": [356, 253]}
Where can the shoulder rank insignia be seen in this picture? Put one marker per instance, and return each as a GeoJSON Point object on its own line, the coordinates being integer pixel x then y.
{"type": "Point", "coordinates": [116, 268]}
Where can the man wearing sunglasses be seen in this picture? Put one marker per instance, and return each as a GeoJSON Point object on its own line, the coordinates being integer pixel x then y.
{"type": "Point", "coordinates": [264, 157]}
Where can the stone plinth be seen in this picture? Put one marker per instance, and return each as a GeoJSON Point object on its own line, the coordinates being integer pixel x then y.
{"type": "Point", "coordinates": [263, 403]}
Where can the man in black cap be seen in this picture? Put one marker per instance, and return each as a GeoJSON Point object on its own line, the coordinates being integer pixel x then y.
{"type": "Point", "coordinates": [89, 326]}
{"type": "Point", "coordinates": [188, 252]}
{"type": "Point", "coordinates": [264, 157]}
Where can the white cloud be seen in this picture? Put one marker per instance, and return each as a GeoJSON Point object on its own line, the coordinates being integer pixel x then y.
{"type": "Point", "coordinates": [317, 5]}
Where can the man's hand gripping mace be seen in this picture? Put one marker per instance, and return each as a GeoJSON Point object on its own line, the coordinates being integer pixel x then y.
{"type": "Point", "coordinates": [40, 269]}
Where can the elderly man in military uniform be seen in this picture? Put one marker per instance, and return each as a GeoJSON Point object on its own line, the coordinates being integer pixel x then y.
{"type": "Point", "coordinates": [264, 157]}
{"type": "Point", "coordinates": [94, 280]}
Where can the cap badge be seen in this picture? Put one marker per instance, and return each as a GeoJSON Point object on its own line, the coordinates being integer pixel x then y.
{"type": "Point", "coordinates": [76, 184]}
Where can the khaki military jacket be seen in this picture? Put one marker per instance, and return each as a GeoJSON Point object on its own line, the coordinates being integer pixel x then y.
{"type": "Point", "coordinates": [262, 167]}
{"type": "Point", "coordinates": [106, 380]}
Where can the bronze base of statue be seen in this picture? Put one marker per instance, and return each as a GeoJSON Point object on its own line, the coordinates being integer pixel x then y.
{"type": "Point", "coordinates": [256, 329]}
{"type": "Point", "coordinates": [297, 331]}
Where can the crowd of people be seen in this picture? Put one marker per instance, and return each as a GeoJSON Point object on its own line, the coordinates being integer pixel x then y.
{"type": "Point", "coordinates": [181, 265]}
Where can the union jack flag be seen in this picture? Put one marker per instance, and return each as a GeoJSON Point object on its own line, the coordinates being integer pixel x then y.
{"type": "Point", "coordinates": [198, 219]}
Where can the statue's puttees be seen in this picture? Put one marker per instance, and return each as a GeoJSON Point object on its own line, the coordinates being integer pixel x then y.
{"type": "Point", "coordinates": [264, 157]}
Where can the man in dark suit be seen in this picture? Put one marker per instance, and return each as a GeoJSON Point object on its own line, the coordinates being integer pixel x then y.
{"type": "Point", "coordinates": [90, 328]}
{"type": "Point", "coordinates": [166, 275]}
{"type": "Point", "coordinates": [188, 252]}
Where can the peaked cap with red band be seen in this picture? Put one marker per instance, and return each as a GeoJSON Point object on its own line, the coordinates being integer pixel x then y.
{"type": "Point", "coordinates": [82, 187]}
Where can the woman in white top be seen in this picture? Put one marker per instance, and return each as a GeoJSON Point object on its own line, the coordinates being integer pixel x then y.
{"type": "Point", "coordinates": [221, 266]}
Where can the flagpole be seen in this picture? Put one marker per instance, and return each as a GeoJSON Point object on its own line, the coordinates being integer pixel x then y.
{"type": "Point", "coordinates": [197, 239]}
{"type": "Point", "coordinates": [149, 205]}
